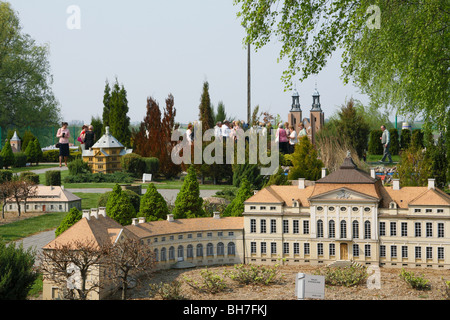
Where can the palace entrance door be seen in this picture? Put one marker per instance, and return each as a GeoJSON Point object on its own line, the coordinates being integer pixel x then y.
{"type": "Point", "coordinates": [344, 251]}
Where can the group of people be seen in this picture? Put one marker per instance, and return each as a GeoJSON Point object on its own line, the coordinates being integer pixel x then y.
{"type": "Point", "coordinates": [288, 137]}
{"type": "Point", "coordinates": [86, 138]}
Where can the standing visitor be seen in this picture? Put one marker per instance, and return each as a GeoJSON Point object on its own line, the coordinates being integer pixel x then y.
{"type": "Point", "coordinates": [302, 131]}
{"type": "Point", "coordinates": [89, 138]}
{"type": "Point", "coordinates": [63, 134]}
{"type": "Point", "coordinates": [386, 141]}
{"type": "Point", "coordinates": [292, 139]}
{"type": "Point", "coordinates": [282, 138]}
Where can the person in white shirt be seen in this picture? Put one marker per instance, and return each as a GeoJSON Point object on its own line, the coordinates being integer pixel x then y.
{"type": "Point", "coordinates": [218, 130]}
{"type": "Point", "coordinates": [225, 130]}
{"type": "Point", "coordinates": [292, 139]}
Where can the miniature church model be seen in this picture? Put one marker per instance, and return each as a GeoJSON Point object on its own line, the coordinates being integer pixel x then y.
{"type": "Point", "coordinates": [316, 119]}
{"type": "Point", "coordinates": [105, 154]}
{"type": "Point", "coordinates": [16, 143]}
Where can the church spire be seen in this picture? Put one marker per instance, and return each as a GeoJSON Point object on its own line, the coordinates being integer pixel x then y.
{"type": "Point", "coordinates": [316, 100]}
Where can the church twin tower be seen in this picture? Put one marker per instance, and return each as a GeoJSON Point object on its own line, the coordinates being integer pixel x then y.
{"type": "Point", "coordinates": [315, 121]}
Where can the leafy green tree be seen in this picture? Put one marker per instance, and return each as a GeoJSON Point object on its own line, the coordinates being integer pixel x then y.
{"type": "Point", "coordinates": [97, 123]}
{"type": "Point", "coordinates": [118, 120]}
{"type": "Point", "coordinates": [395, 143]}
{"type": "Point", "coordinates": [251, 172]}
{"type": "Point", "coordinates": [236, 207]}
{"type": "Point", "coordinates": [26, 97]}
{"type": "Point", "coordinates": [278, 179]}
{"type": "Point", "coordinates": [305, 162]}
{"type": "Point", "coordinates": [440, 162]}
{"type": "Point", "coordinates": [7, 155]}
{"type": "Point", "coordinates": [153, 205]}
{"type": "Point", "coordinates": [27, 138]}
{"type": "Point", "coordinates": [188, 203]}
{"type": "Point", "coordinates": [405, 139]}
{"type": "Point", "coordinates": [69, 220]}
{"type": "Point", "coordinates": [221, 115]}
{"type": "Point", "coordinates": [353, 127]}
{"type": "Point", "coordinates": [415, 167]}
{"type": "Point", "coordinates": [205, 115]}
{"type": "Point", "coordinates": [119, 206]}
{"type": "Point", "coordinates": [401, 63]}
{"type": "Point", "coordinates": [417, 138]}
{"type": "Point", "coordinates": [17, 273]}
{"type": "Point", "coordinates": [375, 146]}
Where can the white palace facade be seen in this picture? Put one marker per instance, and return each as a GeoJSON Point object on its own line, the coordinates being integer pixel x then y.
{"type": "Point", "coordinates": [349, 215]}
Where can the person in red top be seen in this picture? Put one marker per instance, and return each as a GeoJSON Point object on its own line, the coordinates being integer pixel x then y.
{"type": "Point", "coordinates": [282, 138]}
{"type": "Point", "coordinates": [63, 134]}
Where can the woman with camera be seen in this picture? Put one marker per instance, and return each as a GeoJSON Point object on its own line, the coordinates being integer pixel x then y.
{"type": "Point", "coordinates": [63, 134]}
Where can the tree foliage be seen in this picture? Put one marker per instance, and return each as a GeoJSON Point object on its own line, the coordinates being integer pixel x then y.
{"type": "Point", "coordinates": [17, 273]}
{"type": "Point", "coordinates": [305, 162]}
{"type": "Point", "coordinates": [188, 203]}
{"type": "Point", "coordinates": [153, 205]}
{"type": "Point", "coordinates": [26, 97]}
{"type": "Point", "coordinates": [403, 64]}
{"type": "Point", "coordinates": [69, 220]}
{"type": "Point", "coordinates": [205, 114]}
{"type": "Point", "coordinates": [119, 206]}
{"type": "Point", "coordinates": [236, 207]}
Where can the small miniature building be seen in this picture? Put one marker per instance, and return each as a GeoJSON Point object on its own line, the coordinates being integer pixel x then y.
{"type": "Point", "coordinates": [105, 154]}
{"type": "Point", "coordinates": [47, 199]}
{"type": "Point", "coordinates": [16, 143]}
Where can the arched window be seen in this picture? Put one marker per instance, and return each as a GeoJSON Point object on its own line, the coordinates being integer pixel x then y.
{"type": "Point", "coordinates": [231, 248]}
{"type": "Point", "coordinates": [319, 229]}
{"type": "Point", "coordinates": [180, 252]}
{"type": "Point", "coordinates": [209, 249]}
{"type": "Point", "coordinates": [331, 229]}
{"type": "Point", "coordinates": [220, 249]}
{"type": "Point", "coordinates": [190, 251]}
{"type": "Point", "coordinates": [171, 253]}
{"type": "Point", "coordinates": [367, 233]}
{"type": "Point", "coordinates": [343, 229]}
{"type": "Point", "coordinates": [199, 250]}
{"type": "Point", "coordinates": [163, 254]}
{"type": "Point", "coordinates": [355, 229]}
{"type": "Point", "coordinates": [156, 254]}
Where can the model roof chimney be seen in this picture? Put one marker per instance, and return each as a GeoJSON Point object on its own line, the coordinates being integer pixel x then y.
{"type": "Point", "coordinates": [395, 184]}
{"type": "Point", "coordinates": [431, 183]}
{"type": "Point", "coordinates": [170, 217]}
{"type": "Point", "coordinates": [301, 183]}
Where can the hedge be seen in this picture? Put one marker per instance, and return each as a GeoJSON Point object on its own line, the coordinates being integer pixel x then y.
{"type": "Point", "coordinates": [53, 178]}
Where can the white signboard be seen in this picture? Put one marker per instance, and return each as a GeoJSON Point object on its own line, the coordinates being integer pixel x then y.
{"type": "Point", "coordinates": [309, 286]}
{"type": "Point", "coordinates": [146, 177]}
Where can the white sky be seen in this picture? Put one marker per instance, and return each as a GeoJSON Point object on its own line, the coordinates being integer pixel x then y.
{"type": "Point", "coordinates": [157, 47]}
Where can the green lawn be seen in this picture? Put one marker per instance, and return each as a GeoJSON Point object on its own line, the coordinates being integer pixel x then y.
{"type": "Point", "coordinates": [375, 158]}
{"type": "Point", "coordinates": [24, 228]}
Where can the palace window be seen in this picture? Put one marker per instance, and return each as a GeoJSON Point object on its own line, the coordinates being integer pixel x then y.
{"type": "Point", "coordinates": [273, 226]}
{"type": "Point", "coordinates": [393, 229]}
{"type": "Point", "coordinates": [252, 225]}
{"type": "Point", "coordinates": [440, 230]}
{"type": "Point", "coordinates": [332, 249]}
{"type": "Point", "coordinates": [367, 233]}
{"type": "Point", "coordinates": [180, 251]}
{"type": "Point", "coordinates": [331, 229]}
{"type": "Point", "coordinates": [320, 249]}
{"type": "Point", "coordinates": [355, 229]}
{"type": "Point", "coordinates": [343, 229]}
{"type": "Point", "coordinates": [319, 229]}
{"type": "Point", "coordinates": [417, 229]}
{"type": "Point", "coordinates": [355, 250]}
{"type": "Point", "coordinates": [296, 248]}
{"type": "Point", "coordinates": [305, 227]}
{"type": "Point", "coordinates": [383, 251]}
{"type": "Point", "coordinates": [295, 227]}
{"type": "Point", "coordinates": [429, 229]}
{"type": "Point", "coordinates": [404, 251]}
{"type": "Point", "coordinates": [209, 249]}
{"type": "Point", "coordinates": [404, 229]}
{"type": "Point", "coordinates": [286, 248]}
{"type": "Point", "coordinates": [252, 247]}
{"type": "Point", "coordinates": [306, 248]}
{"type": "Point", "coordinates": [382, 228]}
{"type": "Point", "coordinates": [285, 226]}
{"type": "Point", "coordinates": [163, 254]}
{"type": "Point", "coordinates": [273, 247]}
{"type": "Point", "coordinates": [440, 253]}
{"type": "Point", "coordinates": [171, 253]}
{"type": "Point", "coordinates": [393, 251]}
{"type": "Point", "coordinates": [220, 249]}
{"type": "Point", "coordinates": [263, 248]}
{"type": "Point", "coordinates": [190, 251]}
{"type": "Point", "coordinates": [231, 247]}
{"type": "Point", "coordinates": [418, 252]}
{"type": "Point", "coordinates": [263, 226]}
{"type": "Point", "coordinates": [199, 250]}
{"type": "Point", "coordinates": [429, 252]}
{"type": "Point", "coordinates": [367, 250]}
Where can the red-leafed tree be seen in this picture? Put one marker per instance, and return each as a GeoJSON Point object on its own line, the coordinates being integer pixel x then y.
{"type": "Point", "coordinates": [154, 136]}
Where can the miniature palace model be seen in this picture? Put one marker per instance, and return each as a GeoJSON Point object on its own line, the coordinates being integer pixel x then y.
{"type": "Point", "coordinates": [347, 215]}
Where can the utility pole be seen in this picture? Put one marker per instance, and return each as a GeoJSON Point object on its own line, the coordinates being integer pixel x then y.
{"type": "Point", "coordinates": [248, 86]}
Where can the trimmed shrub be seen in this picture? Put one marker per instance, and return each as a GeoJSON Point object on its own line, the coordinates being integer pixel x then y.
{"type": "Point", "coordinates": [395, 143]}
{"type": "Point", "coordinates": [20, 160]}
{"type": "Point", "coordinates": [50, 156]}
{"type": "Point", "coordinates": [5, 175]}
{"type": "Point", "coordinates": [151, 166]}
{"type": "Point", "coordinates": [119, 206]}
{"type": "Point", "coordinates": [7, 155]}
{"type": "Point", "coordinates": [134, 164]}
{"type": "Point", "coordinates": [134, 197]}
{"type": "Point", "coordinates": [375, 146]}
{"type": "Point", "coordinates": [77, 167]}
{"type": "Point", "coordinates": [153, 205]}
{"type": "Point", "coordinates": [254, 274]}
{"type": "Point", "coordinates": [53, 178]}
{"type": "Point", "coordinates": [69, 220]}
{"type": "Point", "coordinates": [30, 176]}
{"type": "Point", "coordinates": [116, 177]}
